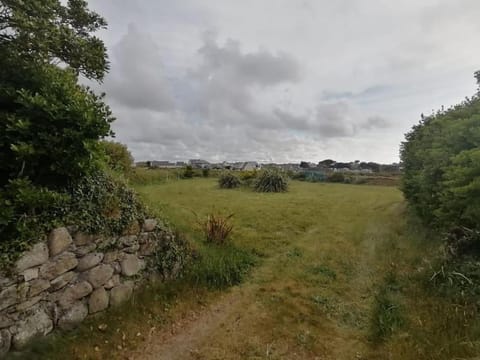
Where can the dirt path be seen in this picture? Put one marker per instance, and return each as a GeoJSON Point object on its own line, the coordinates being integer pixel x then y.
{"type": "Point", "coordinates": [183, 339]}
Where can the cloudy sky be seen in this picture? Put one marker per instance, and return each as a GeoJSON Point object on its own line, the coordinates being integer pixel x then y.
{"type": "Point", "coordinates": [283, 80]}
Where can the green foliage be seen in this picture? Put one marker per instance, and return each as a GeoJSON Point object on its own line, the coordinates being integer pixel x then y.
{"type": "Point", "coordinates": [336, 177]}
{"type": "Point", "coordinates": [248, 177]}
{"type": "Point", "coordinates": [26, 213]}
{"type": "Point", "coordinates": [387, 315]}
{"type": "Point", "coordinates": [188, 172]}
{"type": "Point", "coordinates": [441, 160]}
{"type": "Point", "coordinates": [271, 181]}
{"type": "Point", "coordinates": [49, 125]}
{"type": "Point", "coordinates": [118, 158]}
{"type": "Point", "coordinates": [219, 267]}
{"type": "Point", "coordinates": [228, 180]}
{"type": "Point", "coordinates": [172, 256]}
{"type": "Point", "coordinates": [98, 204]}
{"type": "Point", "coordinates": [206, 172]}
{"type": "Point", "coordinates": [102, 204]}
{"type": "Point", "coordinates": [216, 228]}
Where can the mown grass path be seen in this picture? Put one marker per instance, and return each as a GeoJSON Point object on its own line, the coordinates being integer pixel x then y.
{"type": "Point", "coordinates": [325, 250]}
{"type": "Point", "coordinates": [335, 280]}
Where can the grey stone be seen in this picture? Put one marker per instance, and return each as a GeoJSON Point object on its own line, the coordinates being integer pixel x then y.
{"type": "Point", "coordinates": [99, 275]}
{"type": "Point", "coordinates": [147, 248]}
{"type": "Point", "coordinates": [112, 282]}
{"type": "Point", "coordinates": [117, 269]}
{"type": "Point", "coordinates": [5, 342]}
{"type": "Point", "coordinates": [37, 286]}
{"type": "Point", "coordinates": [84, 250]}
{"type": "Point", "coordinates": [149, 225]}
{"type": "Point", "coordinates": [132, 249]}
{"type": "Point", "coordinates": [8, 297]}
{"type": "Point", "coordinates": [127, 240]}
{"type": "Point", "coordinates": [37, 255]}
{"type": "Point", "coordinates": [98, 301]}
{"type": "Point", "coordinates": [5, 321]}
{"type": "Point", "coordinates": [58, 241]}
{"type": "Point", "coordinates": [74, 292]}
{"type": "Point", "coordinates": [29, 303]}
{"type": "Point", "coordinates": [37, 324]}
{"type": "Point", "coordinates": [30, 274]}
{"type": "Point", "coordinates": [89, 261]}
{"type": "Point", "coordinates": [62, 280]}
{"type": "Point", "coordinates": [131, 265]}
{"type": "Point", "coordinates": [73, 316]}
{"type": "Point", "coordinates": [110, 257]}
{"type": "Point", "coordinates": [121, 293]}
{"type": "Point", "coordinates": [59, 265]}
{"type": "Point", "coordinates": [81, 239]}
{"type": "Point", "coordinates": [22, 291]}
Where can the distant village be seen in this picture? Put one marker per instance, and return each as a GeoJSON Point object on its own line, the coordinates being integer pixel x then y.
{"type": "Point", "coordinates": [327, 165]}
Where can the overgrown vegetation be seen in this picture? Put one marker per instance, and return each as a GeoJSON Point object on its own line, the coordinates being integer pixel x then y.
{"type": "Point", "coordinates": [441, 160]}
{"type": "Point", "coordinates": [219, 267]}
{"type": "Point", "coordinates": [52, 160]}
{"type": "Point", "coordinates": [271, 181]}
{"type": "Point", "coordinates": [228, 180]}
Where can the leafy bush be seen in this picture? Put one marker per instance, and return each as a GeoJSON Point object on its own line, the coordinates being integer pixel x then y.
{"type": "Point", "coordinates": [118, 157]}
{"type": "Point", "coordinates": [172, 256]}
{"type": "Point", "coordinates": [27, 212]}
{"type": "Point", "coordinates": [271, 181]}
{"type": "Point", "coordinates": [441, 160]}
{"type": "Point", "coordinates": [336, 177]}
{"type": "Point", "coordinates": [248, 177]}
{"type": "Point", "coordinates": [104, 205]}
{"type": "Point", "coordinates": [219, 267]}
{"type": "Point", "coordinates": [206, 172]}
{"type": "Point", "coordinates": [188, 172]}
{"type": "Point", "coordinates": [227, 180]}
{"type": "Point", "coordinates": [216, 228]}
{"type": "Point", "coordinates": [97, 204]}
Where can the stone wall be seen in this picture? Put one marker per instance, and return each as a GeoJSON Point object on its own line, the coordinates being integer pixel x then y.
{"type": "Point", "coordinates": [71, 275]}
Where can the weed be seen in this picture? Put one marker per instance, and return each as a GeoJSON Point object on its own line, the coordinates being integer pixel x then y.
{"type": "Point", "coordinates": [387, 315]}
{"type": "Point", "coordinates": [216, 228]}
{"type": "Point", "coordinates": [323, 270]}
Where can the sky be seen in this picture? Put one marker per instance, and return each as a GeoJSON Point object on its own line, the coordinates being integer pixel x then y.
{"type": "Point", "coordinates": [283, 80]}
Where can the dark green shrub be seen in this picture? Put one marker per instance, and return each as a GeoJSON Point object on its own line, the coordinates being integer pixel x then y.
{"type": "Point", "coordinates": [227, 180]}
{"type": "Point", "coordinates": [219, 267]}
{"type": "Point", "coordinates": [271, 181]}
{"type": "Point", "coordinates": [188, 172]}
{"type": "Point", "coordinates": [206, 172]}
{"type": "Point", "coordinates": [441, 161]}
{"type": "Point", "coordinates": [336, 177]}
{"type": "Point", "coordinates": [172, 256]}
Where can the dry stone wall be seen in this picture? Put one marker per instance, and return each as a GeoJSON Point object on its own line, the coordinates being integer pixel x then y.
{"type": "Point", "coordinates": [61, 281]}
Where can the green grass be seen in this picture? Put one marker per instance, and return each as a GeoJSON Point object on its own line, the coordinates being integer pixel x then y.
{"type": "Point", "coordinates": [331, 271]}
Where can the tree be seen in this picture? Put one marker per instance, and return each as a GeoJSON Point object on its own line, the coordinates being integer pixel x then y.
{"type": "Point", "coordinates": [50, 125]}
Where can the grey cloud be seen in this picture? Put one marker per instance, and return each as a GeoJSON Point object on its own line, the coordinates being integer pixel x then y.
{"type": "Point", "coordinates": [137, 79]}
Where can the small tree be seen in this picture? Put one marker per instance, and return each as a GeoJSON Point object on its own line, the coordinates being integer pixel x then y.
{"type": "Point", "coordinates": [118, 157]}
{"type": "Point", "coordinates": [188, 172]}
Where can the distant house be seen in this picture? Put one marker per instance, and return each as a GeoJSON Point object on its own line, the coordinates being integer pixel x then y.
{"type": "Point", "coordinates": [199, 163]}
{"type": "Point", "coordinates": [161, 164]}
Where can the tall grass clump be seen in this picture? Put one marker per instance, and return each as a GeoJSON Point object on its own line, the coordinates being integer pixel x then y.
{"type": "Point", "coordinates": [219, 267]}
{"type": "Point", "coordinates": [216, 228]}
{"type": "Point", "coordinates": [271, 181]}
{"type": "Point", "coordinates": [228, 180]}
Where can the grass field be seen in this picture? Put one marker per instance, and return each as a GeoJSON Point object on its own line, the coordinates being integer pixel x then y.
{"type": "Point", "coordinates": [339, 276]}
